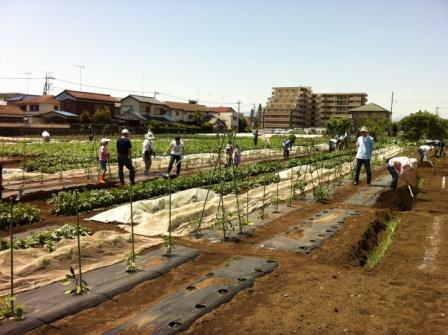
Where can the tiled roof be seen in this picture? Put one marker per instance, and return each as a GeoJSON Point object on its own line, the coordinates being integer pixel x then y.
{"type": "Point", "coordinates": [62, 113]}
{"type": "Point", "coordinates": [142, 98]}
{"type": "Point", "coordinates": [186, 106]}
{"type": "Point", "coordinates": [90, 96]}
{"type": "Point", "coordinates": [369, 108]}
{"type": "Point", "coordinates": [8, 110]}
{"type": "Point", "coordinates": [21, 97]}
{"type": "Point", "coordinates": [221, 109]}
{"type": "Point", "coordinates": [44, 99]}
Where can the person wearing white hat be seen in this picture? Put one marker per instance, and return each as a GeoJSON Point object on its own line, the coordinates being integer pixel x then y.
{"type": "Point", "coordinates": [423, 152]}
{"type": "Point", "coordinates": [148, 151]}
{"type": "Point", "coordinates": [46, 136]}
{"type": "Point", "coordinates": [103, 157]}
{"type": "Point", "coordinates": [124, 152]}
{"type": "Point", "coordinates": [400, 166]}
{"type": "Point", "coordinates": [364, 149]}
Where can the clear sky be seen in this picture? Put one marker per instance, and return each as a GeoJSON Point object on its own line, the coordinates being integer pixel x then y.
{"type": "Point", "coordinates": [223, 51]}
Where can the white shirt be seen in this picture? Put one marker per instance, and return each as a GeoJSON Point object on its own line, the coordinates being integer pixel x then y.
{"type": "Point", "coordinates": [425, 148]}
{"type": "Point", "coordinates": [146, 145]}
{"type": "Point", "coordinates": [177, 149]}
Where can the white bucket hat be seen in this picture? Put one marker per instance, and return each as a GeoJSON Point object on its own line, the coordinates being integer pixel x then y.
{"type": "Point", "coordinates": [364, 129]}
{"type": "Point", "coordinates": [105, 140]}
{"type": "Point", "coordinates": [125, 132]}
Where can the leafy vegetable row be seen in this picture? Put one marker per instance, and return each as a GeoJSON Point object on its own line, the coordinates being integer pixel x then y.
{"type": "Point", "coordinates": [64, 202]}
{"type": "Point", "coordinates": [22, 214]}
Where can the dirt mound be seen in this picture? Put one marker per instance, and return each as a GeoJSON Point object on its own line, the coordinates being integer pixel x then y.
{"type": "Point", "coordinates": [399, 199]}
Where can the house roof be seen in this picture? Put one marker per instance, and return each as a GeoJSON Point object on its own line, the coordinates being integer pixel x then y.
{"type": "Point", "coordinates": [89, 96]}
{"type": "Point", "coordinates": [43, 99]}
{"type": "Point", "coordinates": [63, 114]}
{"type": "Point", "coordinates": [142, 98]}
{"type": "Point", "coordinates": [188, 107]}
{"type": "Point", "coordinates": [371, 107]}
{"type": "Point", "coordinates": [221, 109]}
{"type": "Point", "coordinates": [22, 97]}
{"type": "Point", "coordinates": [11, 111]}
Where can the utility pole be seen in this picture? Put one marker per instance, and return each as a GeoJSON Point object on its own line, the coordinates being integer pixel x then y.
{"type": "Point", "coordinates": [47, 86]}
{"type": "Point", "coordinates": [391, 103]}
{"type": "Point", "coordinates": [81, 67]}
{"type": "Point", "coordinates": [155, 94]}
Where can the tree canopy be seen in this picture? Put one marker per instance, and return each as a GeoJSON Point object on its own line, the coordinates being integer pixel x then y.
{"type": "Point", "coordinates": [337, 125]}
{"type": "Point", "coordinates": [422, 125]}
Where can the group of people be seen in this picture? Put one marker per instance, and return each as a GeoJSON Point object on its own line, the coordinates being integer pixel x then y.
{"type": "Point", "coordinates": [233, 155]}
{"type": "Point", "coordinates": [397, 166]}
{"type": "Point", "coordinates": [339, 142]}
{"type": "Point", "coordinates": [124, 156]}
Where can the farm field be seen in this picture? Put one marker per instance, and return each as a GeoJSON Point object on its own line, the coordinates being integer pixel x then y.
{"type": "Point", "coordinates": [306, 262]}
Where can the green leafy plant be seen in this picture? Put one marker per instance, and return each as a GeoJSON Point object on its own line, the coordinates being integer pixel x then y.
{"type": "Point", "coordinates": [320, 194]}
{"type": "Point", "coordinates": [10, 310]}
{"type": "Point", "coordinates": [80, 286]}
{"type": "Point", "coordinates": [299, 189]}
{"type": "Point", "coordinates": [22, 214]}
{"type": "Point", "coordinates": [223, 221]}
{"type": "Point", "coordinates": [168, 243]}
{"type": "Point", "coordinates": [129, 260]}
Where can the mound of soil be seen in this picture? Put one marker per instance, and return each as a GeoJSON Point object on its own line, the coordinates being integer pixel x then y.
{"type": "Point", "coordinates": [399, 199]}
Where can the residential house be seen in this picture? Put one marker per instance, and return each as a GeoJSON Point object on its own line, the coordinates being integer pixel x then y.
{"type": "Point", "coordinates": [226, 114]}
{"type": "Point", "coordinates": [141, 108]}
{"type": "Point", "coordinates": [44, 103]}
{"type": "Point", "coordinates": [187, 112]}
{"type": "Point", "coordinates": [77, 102]}
{"type": "Point", "coordinates": [11, 114]}
{"type": "Point", "coordinates": [369, 111]}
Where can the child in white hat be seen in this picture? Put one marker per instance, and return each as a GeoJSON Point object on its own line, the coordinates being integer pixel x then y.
{"type": "Point", "coordinates": [103, 157]}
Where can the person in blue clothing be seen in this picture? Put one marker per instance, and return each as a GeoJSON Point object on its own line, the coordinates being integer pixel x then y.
{"type": "Point", "coordinates": [287, 145]}
{"type": "Point", "coordinates": [364, 149]}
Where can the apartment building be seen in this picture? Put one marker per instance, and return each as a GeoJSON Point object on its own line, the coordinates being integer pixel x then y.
{"type": "Point", "coordinates": [299, 107]}
{"type": "Point", "coordinates": [288, 107]}
{"type": "Point", "coordinates": [330, 105]}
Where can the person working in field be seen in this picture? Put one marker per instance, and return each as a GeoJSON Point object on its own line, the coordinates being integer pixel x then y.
{"type": "Point", "coordinates": [399, 166]}
{"type": "Point", "coordinates": [124, 152]}
{"type": "Point", "coordinates": [46, 136]}
{"type": "Point", "coordinates": [103, 157]}
{"type": "Point", "coordinates": [229, 154]}
{"type": "Point", "coordinates": [424, 151]}
{"type": "Point", "coordinates": [332, 144]}
{"type": "Point", "coordinates": [287, 146]}
{"type": "Point", "coordinates": [148, 151]}
{"type": "Point", "coordinates": [364, 149]}
{"type": "Point", "coordinates": [177, 150]}
{"type": "Point", "coordinates": [237, 156]}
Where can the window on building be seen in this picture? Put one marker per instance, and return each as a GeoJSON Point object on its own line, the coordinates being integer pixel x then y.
{"type": "Point", "coordinates": [56, 107]}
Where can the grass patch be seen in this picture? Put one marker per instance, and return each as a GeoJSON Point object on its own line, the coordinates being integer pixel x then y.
{"type": "Point", "coordinates": [376, 254]}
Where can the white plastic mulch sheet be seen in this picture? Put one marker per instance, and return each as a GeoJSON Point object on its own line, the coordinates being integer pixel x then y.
{"type": "Point", "coordinates": [151, 217]}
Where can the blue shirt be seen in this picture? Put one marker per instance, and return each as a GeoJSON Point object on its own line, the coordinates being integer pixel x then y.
{"type": "Point", "coordinates": [365, 147]}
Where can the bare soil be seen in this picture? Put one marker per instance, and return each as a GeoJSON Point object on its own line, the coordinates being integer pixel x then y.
{"type": "Point", "coordinates": [326, 291]}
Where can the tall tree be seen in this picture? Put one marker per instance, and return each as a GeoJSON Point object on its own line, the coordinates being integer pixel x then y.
{"type": "Point", "coordinates": [258, 116]}
{"type": "Point", "coordinates": [423, 125]}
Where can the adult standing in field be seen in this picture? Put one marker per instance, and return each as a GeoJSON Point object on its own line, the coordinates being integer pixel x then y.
{"type": "Point", "coordinates": [176, 149]}
{"type": "Point", "coordinates": [148, 151]}
{"type": "Point", "coordinates": [124, 152]}
{"type": "Point", "coordinates": [229, 154]}
{"type": "Point", "coordinates": [364, 149]}
{"type": "Point", "coordinates": [399, 166]}
{"type": "Point", "coordinates": [255, 133]}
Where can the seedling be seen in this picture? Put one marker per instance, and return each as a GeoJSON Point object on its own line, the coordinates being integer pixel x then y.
{"type": "Point", "coordinates": [300, 187]}
{"type": "Point", "coordinates": [320, 194]}
{"type": "Point", "coordinates": [168, 243]}
{"type": "Point", "coordinates": [10, 310]}
{"type": "Point", "coordinates": [129, 261]}
{"type": "Point", "coordinates": [275, 201]}
{"type": "Point", "coordinates": [80, 285]}
{"type": "Point", "coordinates": [223, 221]}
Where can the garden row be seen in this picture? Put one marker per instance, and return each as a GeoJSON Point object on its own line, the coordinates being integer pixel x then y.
{"type": "Point", "coordinates": [60, 156]}
{"type": "Point", "coordinates": [22, 214]}
{"type": "Point", "coordinates": [64, 202]}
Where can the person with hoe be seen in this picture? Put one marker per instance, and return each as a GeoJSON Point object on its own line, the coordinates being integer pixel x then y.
{"type": "Point", "coordinates": [124, 152]}
{"type": "Point", "coordinates": [424, 151]}
{"type": "Point", "coordinates": [176, 151]}
{"type": "Point", "coordinates": [364, 149]}
{"type": "Point", "coordinates": [103, 157]}
{"type": "Point", "coordinates": [287, 146]}
{"type": "Point", "coordinates": [399, 166]}
{"type": "Point", "coordinates": [148, 151]}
